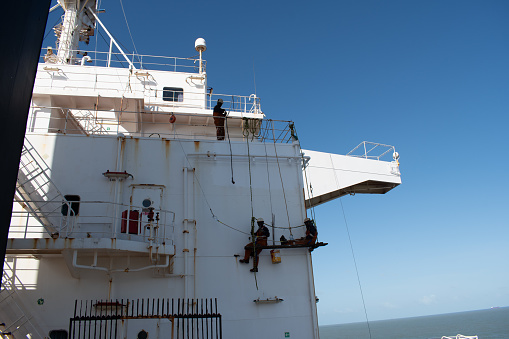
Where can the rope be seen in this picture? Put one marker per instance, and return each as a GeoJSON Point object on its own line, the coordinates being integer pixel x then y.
{"type": "Point", "coordinates": [351, 249]}
{"type": "Point", "coordinates": [203, 192]}
{"type": "Point", "coordinates": [255, 257]}
{"type": "Point", "coordinates": [229, 142]}
{"type": "Point", "coordinates": [281, 178]}
{"type": "Point", "coordinates": [356, 269]}
{"type": "Point", "coordinates": [129, 30]}
{"type": "Point", "coordinates": [268, 180]}
{"type": "Point", "coordinates": [308, 184]}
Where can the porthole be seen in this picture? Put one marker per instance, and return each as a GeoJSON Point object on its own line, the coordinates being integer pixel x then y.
{"type": "Point", "coordinates": [142, 334]}
{"type": "Point", "coordinates": [146, 203]}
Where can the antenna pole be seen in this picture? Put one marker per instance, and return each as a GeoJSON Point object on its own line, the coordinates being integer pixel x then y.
{"type": "Point", "coordinates": [201, 67]}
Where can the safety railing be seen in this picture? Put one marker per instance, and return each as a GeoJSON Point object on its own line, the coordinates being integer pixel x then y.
{"type": "Point", "coordinates": [236, 103]}
{"type": "Point", "coordinates": [158, 124]}
{"type": "Point", "coordinates": [374, 151]}
{"type": "Point", "coordinates": [98, 219]}
{"type": "Point", "coordinates": [113, 59]}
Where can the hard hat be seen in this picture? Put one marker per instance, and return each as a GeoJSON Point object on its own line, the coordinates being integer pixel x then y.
{"type": "Point", "coordinates": [259, 219]}
{"type": "Point", "coordinates": [219, 101]}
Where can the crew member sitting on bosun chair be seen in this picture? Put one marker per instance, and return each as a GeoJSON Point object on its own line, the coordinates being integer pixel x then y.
{"type": "Point", "coordinates": [311, 233]}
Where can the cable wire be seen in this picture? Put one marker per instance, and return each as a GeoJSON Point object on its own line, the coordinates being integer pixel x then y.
{"type": "Point", "coordinates": [129, 30]}
{"type": "Point", "coordinates": [229, 142]}
{"type": "Point", "coordinates": [351, 249]}
{"type": "Point", "coordinates": [356, 269]}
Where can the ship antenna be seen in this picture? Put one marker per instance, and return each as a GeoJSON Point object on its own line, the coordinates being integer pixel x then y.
{"type": "Point", "coordinates": [200, 46]}
{"type": "Point", "coordinates": [254, 76]}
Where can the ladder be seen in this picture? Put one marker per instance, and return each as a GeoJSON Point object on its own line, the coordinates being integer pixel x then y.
{"type": "Point", "coordinates": [15, 321]}
{"type": "Point", "coordinates": [39, 194]}
{"type": "Point", "coordinates": [85, 121]}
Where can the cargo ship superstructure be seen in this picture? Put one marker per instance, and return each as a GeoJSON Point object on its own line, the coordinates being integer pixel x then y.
{"type": "Point", "coordinates": [132, 212]}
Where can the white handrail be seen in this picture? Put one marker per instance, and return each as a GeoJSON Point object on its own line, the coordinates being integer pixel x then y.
{"type": "Point", "coordinates": [111, 37]}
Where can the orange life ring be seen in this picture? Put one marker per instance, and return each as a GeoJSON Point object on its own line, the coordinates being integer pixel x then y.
{"type": "Point", "coordinates": [173, 118]}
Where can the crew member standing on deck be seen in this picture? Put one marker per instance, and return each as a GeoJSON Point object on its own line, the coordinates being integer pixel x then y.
{"type": "Point", "coordinates": [219, 118]}
{"type": "Point", "coordinates": [260, 239]}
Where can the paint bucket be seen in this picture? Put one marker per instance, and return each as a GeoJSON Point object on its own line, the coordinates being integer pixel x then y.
{"type": "Point", "coordinates": [275, 256]}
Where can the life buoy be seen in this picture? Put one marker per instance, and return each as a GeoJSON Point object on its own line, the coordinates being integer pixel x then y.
{"type": "Point", "coordinates": [173, 118]}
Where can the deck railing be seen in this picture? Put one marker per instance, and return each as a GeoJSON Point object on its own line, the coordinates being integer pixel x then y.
{"type": "Point", "coordinates": [112, 59]}
{"type": "Point", "coordinates": [373, 150]}
{"type": "Point", "coordinates": [157, 124]}
{"type": "Point", "coordinates": [98, 219]}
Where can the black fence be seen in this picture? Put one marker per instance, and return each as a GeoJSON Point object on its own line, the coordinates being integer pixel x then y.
{"type": "Point", "coordinates": [109, 319]}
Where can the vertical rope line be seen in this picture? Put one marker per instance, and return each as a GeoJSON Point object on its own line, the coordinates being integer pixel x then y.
{"type": "Point", "coordinates": [281, 178]}
{"type": "Point", "coordinates": [255, 257]}
{"type": "Point", "coordinates": [229, 142]}
{"type": "Point", "coordinates": [351, 249]}
{"type": "Point", "coordinates": [129, 30]}
{"type": "Point", "coordinates": [308, 188]}
{"type": "Point", "coordinates": [268, 176]}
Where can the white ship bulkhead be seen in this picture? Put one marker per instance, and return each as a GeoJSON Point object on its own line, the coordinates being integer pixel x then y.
{"type": "Point", "coordinates": [126, 200]}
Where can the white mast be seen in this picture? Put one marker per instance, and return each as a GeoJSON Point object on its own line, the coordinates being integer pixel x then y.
{"type": "Point", "coordinates": [73, 27]}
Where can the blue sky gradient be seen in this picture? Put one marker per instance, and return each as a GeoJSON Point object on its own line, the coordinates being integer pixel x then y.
{"type": "Point", "coordinates": [429, 77]}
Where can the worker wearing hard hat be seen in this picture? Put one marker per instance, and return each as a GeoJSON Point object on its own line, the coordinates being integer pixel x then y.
{"type": "Point", "coordinates": [260, 239]}
{"type": "Point", "coordinates": [219, 118]}
{"type": "Point", "coordinates": [311, 233]}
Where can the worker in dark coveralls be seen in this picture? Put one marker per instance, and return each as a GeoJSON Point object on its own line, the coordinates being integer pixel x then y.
{"type": "Point", "coordinates": [311, 233]}
{"type": "Point", "coordinates": [219, 117]}
{"type": "Point", "coordinates": [260, 239]}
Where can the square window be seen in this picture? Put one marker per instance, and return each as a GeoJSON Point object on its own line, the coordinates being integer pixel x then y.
{"type": "Point", "coordinates": [173, 94]}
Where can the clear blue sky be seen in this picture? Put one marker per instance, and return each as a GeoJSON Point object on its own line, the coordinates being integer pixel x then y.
{"type": "Point", "coordinates": [429, 77]}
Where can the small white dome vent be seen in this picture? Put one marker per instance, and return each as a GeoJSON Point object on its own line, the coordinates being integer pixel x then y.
{"type": "Point", "coordinates": [200, 45]}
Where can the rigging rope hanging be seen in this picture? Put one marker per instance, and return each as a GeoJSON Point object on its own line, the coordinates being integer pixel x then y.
{"type": "Point", "coordinates": [281, 178]}
{"type": "Point", "coordinates": [309, 188]}
{"type": "Point", "coordinates": [229, 142]}
{"type": "Point", "coordinates": [351, 249]}
{"type": "Point", "coordinates": [201, 189]}
{"type": "Point", "coordinates": [255, 263]}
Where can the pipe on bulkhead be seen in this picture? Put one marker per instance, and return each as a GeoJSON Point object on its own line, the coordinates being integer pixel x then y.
{"type": "Point", "coordinates": [185, 235]}
{"type": "Point", "coordinates": [312, 301]}
{"type": "Point", "coordinates": [118, 186]}
{"type": "Point", "coordinates": [127, 269]}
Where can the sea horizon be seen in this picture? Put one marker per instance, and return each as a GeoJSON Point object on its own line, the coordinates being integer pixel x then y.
{"type": "Point", "coordinates": [490, 323]}
{"type": "Point", "coordinates": [415, 316]}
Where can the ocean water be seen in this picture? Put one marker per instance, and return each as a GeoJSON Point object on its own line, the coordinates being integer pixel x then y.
{"type": "Point", "coordinates": [486, 324]}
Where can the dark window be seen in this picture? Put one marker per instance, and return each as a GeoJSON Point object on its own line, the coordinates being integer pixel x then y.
{"type": "Point", "coordinates": [173, 94]}
{"type": "Point", "coordinates": [74, 202]}
{"type": "Point", "coordinates": [58, 334]}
